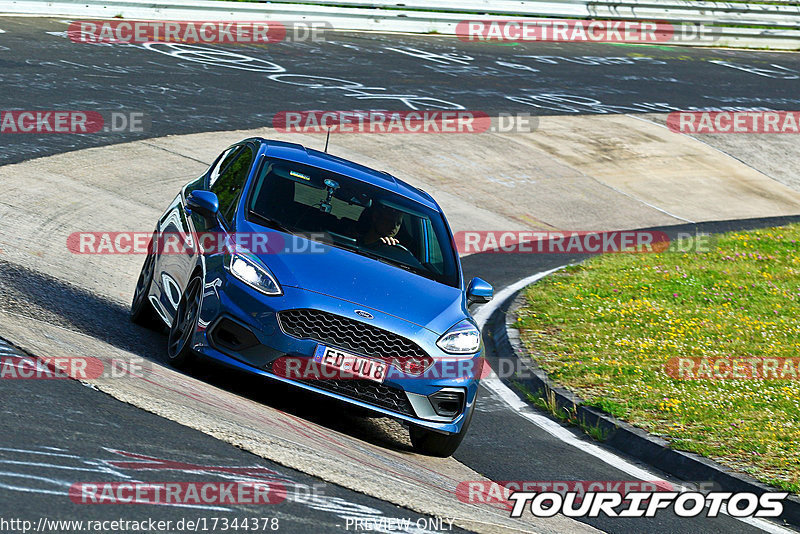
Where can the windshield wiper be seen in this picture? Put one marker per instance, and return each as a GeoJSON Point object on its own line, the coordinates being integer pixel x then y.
{"type": "Point", "coordinates": [410, 268]}
{"type": "Point", "coordinates": [384, 259]}
{"type": "Point", "coordinates": [270, 223]}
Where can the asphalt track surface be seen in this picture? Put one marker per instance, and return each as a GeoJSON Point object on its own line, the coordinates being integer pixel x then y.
{"type": "Point", "coordinates": [54, 429]}
{"type": "Point", "coordinates": [58, 432]}
{"type": "Point", "coordinates": [43, 69]}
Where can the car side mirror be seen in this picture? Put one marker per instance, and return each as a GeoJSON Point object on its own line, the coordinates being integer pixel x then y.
{"type": "Point", "coordinates": [203, 203]}
{"type": "Point", "coordinates": [479, 291]}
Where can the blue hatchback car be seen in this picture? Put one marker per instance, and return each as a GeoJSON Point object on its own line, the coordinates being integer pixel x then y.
{"type": "Point", "coordinates": [310, 269]}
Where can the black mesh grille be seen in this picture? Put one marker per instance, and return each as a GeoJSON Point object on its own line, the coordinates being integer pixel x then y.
{"type": "Point", "coordinates": [370, 392]}
{"type": "Point", "coordinates": [356, 336]}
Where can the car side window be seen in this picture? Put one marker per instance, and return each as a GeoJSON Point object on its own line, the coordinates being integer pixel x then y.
{"type": "Point", "coordinates": [435, 256]}
{"type": "Point", "coordinates": [194, 185]}
{"type": "Point", "coordinates": [224, 159]}
{"type": "Point", "coordinates": [228, 186]}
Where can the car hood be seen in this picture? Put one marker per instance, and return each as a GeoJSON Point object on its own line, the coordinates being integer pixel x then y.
{"type": "Point", "coordinates": [367, 283]}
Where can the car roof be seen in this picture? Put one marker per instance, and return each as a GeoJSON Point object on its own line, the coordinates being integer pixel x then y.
{"type": "Point", "coordinates": [315, 158]}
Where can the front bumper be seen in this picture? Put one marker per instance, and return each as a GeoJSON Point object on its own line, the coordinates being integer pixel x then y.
{"type": "Point", "coordinates": [252, 340]}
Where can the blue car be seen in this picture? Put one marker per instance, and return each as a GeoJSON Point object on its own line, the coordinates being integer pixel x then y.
{"type": "Point", "coordinates": [312, 270]}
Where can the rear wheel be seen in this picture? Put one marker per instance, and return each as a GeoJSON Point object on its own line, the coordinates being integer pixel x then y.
{"type": "Point", "coordinates": [436, 444]}
{"type": "Point", "coordinates": [142, 312]}
{"type": "Point", "coordinates": [179, 348]}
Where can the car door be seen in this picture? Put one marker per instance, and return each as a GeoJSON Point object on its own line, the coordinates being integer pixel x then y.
{"type": "Point", "coordinates": [178, 230]}
{"type": "Point", "coordinates": [228, 186]}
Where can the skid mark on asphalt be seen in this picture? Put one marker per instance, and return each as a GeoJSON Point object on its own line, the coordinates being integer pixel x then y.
{"type": "Point", "coordinates": [115, 469]}
{"type": "Point", "coordinates": [641, 201]}
{"type": "Point", "coordinates": [74, 463]}
{"type": "Point", "coordinates": [339, 448]}
{"type": "Point", "coordinates": [334, 445]}
{"type": "Point", "coordinates": [394, 474]}
{"type": "Point", "coordinates": [697, 138]}
{"type": "Point", "coordinates": [206, 163]}
{"type": "Point", "coordinates": [296, 425]}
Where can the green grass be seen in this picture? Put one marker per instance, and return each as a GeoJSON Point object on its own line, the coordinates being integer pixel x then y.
{"type": "Point", "coordinates": [546, 401]}
{"type": "Point", "coordinates": [606, 329]}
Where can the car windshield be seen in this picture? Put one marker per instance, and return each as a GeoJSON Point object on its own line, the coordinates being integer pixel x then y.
{"type": "Point", "coordinates": [353, 215]}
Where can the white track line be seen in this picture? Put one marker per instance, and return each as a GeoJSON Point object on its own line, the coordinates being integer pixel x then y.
{"type": "Point", "coordinates": [43, 453]}
{"type": "Point", "coordinates": [505, 394]}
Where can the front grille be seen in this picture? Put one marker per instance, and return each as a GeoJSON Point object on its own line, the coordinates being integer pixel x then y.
{"type": "Point", "coordinates": [354, 335]}
{"type": "Point", "coordinates": [370, 392]}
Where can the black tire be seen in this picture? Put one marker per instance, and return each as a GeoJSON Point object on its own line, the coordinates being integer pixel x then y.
{"type": "Point", "coordinates": [179, 349]}
{"type": "Point", "coordinates": [433, 443]}
{"type": "Point", "coordinates": [142, 312]}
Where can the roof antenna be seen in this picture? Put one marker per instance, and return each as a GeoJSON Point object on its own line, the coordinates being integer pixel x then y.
{"type": "Point", "coordinates": [327, 138]}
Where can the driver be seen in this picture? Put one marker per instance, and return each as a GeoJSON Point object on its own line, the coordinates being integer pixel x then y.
{"type": "Point", "coordinates": [381, 226]}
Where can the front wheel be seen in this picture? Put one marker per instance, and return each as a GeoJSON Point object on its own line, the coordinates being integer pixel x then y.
{"type": "Point", "coordinates": [142, 312]}
{"type": "Point", "coordinates": [435, 444]}
{"type": "Point", "coordinates": [179, 348]}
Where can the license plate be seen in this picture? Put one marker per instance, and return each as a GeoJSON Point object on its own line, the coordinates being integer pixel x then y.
{"type": "Point", "coordinates": [351, 365]}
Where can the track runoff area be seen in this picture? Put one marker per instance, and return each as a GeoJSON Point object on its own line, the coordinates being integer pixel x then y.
{"type": "Point", "coordinates": [442, 61]}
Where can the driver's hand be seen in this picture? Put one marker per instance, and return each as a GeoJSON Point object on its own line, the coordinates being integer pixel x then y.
{"type": "Point", "coordinates": [390, 241]}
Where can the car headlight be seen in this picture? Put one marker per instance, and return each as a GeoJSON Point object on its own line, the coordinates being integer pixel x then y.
{"type": "Point", "coordinates": [253, 273]}
{"type": "Point", "coordinates": [463, 338]}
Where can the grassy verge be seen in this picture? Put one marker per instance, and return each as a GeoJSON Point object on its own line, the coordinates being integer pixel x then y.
{"type": "Point", "coordinates": [607, 328]}
{"type": "Point", "coordinates": [546, 400]}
